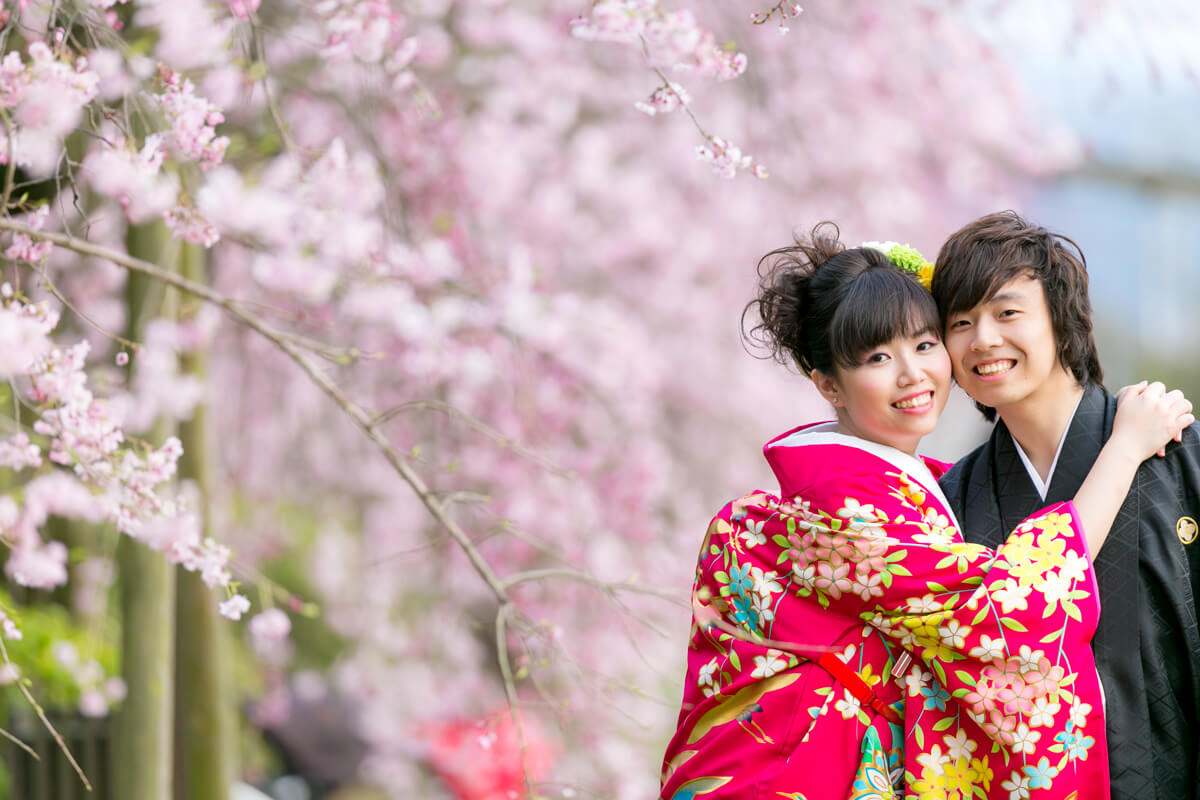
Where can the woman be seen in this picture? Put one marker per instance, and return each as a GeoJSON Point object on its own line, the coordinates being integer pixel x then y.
{"type": "Point", "coordinates": [846, 641]}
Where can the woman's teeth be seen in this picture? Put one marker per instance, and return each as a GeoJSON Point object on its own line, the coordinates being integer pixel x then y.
{"type": "Point", "coordinates": [914, 402]}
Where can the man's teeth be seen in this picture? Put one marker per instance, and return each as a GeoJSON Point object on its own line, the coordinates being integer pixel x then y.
{"type": "Point", "coordinates": [913, 402]}
{"type": "Point", "coordinates": [995, 367]}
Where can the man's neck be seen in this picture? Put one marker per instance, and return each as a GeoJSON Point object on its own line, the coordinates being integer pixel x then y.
{"type": "Point", "coordinates": [1039, 421]}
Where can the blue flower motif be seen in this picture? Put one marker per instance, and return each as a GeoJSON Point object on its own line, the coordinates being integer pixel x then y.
{"type": "Point", "coordinates": [935, 696]}
{"type": "Point", "coordinates": [740, 579]}
{"type": "Point", "coordinates": [744, 613]}
{"type": "Point", "coordinates": [1041, 776]}
{"type": "Point", "coordinates": [1075, 746]}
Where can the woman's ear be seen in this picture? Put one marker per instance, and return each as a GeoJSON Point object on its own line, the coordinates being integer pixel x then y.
{"type": "Point", "coordinates": [828, 388]}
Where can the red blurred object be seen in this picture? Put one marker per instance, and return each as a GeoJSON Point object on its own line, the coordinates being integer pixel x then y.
{"type": "Point", "coordinates": [481, 759]}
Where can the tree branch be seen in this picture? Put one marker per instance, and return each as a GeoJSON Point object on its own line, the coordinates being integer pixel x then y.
{"type": "Point", "coordinates": [283, 341]}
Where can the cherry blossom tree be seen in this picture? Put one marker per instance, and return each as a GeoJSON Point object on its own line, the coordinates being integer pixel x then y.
{"type": "Point", "coordinates": [441, 299]}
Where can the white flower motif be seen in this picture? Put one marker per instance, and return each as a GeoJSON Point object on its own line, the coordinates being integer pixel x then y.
{"type": "Point", "coordinates": [1017, 786]}
{"type": "Point", "coordinates": [923, 605]}
{"type": "Point", "coordinates": [852, 509]}
{"type": "Point", "coordinates": [707, 671]}
{"type": "Point", "coordinates": [753, 534]}
{"type": "Point", "coordinates": [953, 634]}
{"type": "Point", "coordinates": [1044, 709]}
{"type": "Point", "coordinates": [1029, 658]}
{"type": "Point", "coordinates": [849, 705]}
{"type": "Point", "coordinates": [989, 649]}
{"type": "Point", "coordinates": [1025, 740]}
{"type": "Point", "coordinates": [935, 760]}
{"type": "Point", "coordinates": [1079, 712]}
{"type": "Point", "coordinates": [1012, 596]}
{"type": "Point", "coordinates": [1054, 587]}
{"type": "Point", "coordinates": [959, 745]}
{"type": "Point", "coordinates": [1075, 567]}
{"type": "Point", "coordinates": [806, 576]}
{"type": "Point", "coordinates": [768, 665]}
{"type": "Point", "coordinates": [764, 582]}
{"type": "Point", "coordinates": [915, 680]}
{"type": "Point", "coordinates": [938, 523]}
{"type": "Point", "coordinates": [762, 607]}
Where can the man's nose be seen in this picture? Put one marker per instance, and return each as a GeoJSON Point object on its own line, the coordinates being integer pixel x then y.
{"type": "Point", "coordinates": [986, 335]}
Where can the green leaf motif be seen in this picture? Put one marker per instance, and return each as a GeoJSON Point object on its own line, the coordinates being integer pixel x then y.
{"type": "Point", "coordinates": [1013, 625]}
{"type": "Point", "coordinates": [735, 660]}
{"type": "Point", "coordinates": [965, 677]}
{"type": "Point", "coordinates": [943, 723]}
{"type": "Point", "coordinates": [939, 671]}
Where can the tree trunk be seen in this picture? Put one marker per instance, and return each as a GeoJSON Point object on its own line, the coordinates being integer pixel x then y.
{"type": "Point", "coordinates": [142, 750]}
{"type": "Point", "coordinates": [203, 702]}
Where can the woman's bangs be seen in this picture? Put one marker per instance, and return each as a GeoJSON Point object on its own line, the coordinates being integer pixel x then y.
{"type": "Point", "coordinates": [880, 306]}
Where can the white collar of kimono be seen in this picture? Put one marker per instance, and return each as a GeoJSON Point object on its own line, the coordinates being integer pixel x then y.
{"type": "Point", "coordinates": [1043, 486]}
{"type": "Point", "coordinates": [909, 465]}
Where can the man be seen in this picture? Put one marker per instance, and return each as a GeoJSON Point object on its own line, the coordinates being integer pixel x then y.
{"type": "Point", "coordinates": [1019, 332]}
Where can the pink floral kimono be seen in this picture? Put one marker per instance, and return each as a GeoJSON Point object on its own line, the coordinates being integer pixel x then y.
{"type": "Point", "coordinates": [847, 643]}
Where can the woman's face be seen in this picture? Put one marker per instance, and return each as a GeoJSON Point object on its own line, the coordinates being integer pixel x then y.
{"type": "Point", "coordinates": [894, 394]}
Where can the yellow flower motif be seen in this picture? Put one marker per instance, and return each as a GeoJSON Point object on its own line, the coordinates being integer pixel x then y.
{"type": "Point", "coordinates": [908, 490]}
{"type": "Point", "coordinates": [868, 676]}
{"type": "Point", "coordinates": [1054, 523]}
{"type": "Point", "coordinates": [983, 773]}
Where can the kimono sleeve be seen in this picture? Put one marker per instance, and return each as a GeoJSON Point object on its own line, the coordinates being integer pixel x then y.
{"type": "Point", "coordinates": [1004, 631]}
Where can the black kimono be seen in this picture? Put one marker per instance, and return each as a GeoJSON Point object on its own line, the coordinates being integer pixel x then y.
{"type": "Point", "coordinates": [1147, 645]}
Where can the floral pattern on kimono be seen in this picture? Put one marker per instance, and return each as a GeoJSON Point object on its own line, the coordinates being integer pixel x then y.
{"type": "Point", "coordinates": [859, 558]}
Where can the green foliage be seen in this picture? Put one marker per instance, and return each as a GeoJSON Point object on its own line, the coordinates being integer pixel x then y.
{"type": "Point", "coordinates": [43, 627]}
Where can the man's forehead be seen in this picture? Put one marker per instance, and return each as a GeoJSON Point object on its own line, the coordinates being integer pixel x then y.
{"type": "Point", "coordinates": [1019, 287]}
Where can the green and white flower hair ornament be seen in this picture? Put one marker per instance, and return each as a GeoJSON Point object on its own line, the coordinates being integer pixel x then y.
{"type": "Point", "coordinates": [908, 259]}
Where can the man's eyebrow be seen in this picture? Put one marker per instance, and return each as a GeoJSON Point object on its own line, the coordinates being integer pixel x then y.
{"type": "Point", "coordinates": [1006, 296]}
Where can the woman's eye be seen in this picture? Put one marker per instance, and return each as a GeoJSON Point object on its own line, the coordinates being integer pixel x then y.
{"type": "Point", "coordinates": [1008, 312]}
{"type": "Point", "coordinates": [959, 323]}
{"type": "Point", "coordinates": [927, 345]}
{"type": "Point", "coordinates": [876, 358]}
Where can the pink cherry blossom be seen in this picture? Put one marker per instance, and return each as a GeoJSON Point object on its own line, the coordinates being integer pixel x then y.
{"type": "Point", "coordinates": [234, 607]}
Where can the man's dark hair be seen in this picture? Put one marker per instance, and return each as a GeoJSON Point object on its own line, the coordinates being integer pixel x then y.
{"type": "Point", "coordinates": [984, 255]}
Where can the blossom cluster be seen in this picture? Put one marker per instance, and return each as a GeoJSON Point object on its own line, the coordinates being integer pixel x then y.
{"type": "Point", "coordinates": [664, 99]}
{"type": "Point", "coordinates": [507, 269]}
{"type": "Point", "coordinates": [46, 94]}
{"type": "Point", "coordinates": [673, 38]}
{"type": "Point", "coordinates": [193, 121]}
{"type": "Point", "coordinates": [110, 477]}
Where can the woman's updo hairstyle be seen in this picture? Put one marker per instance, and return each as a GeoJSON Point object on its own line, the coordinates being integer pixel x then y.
{"type": "Point", "coordinates": [824, 306]}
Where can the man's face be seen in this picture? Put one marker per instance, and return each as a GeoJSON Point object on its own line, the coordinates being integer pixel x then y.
{"type": "Point", "coordinates": [1003, 350]}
